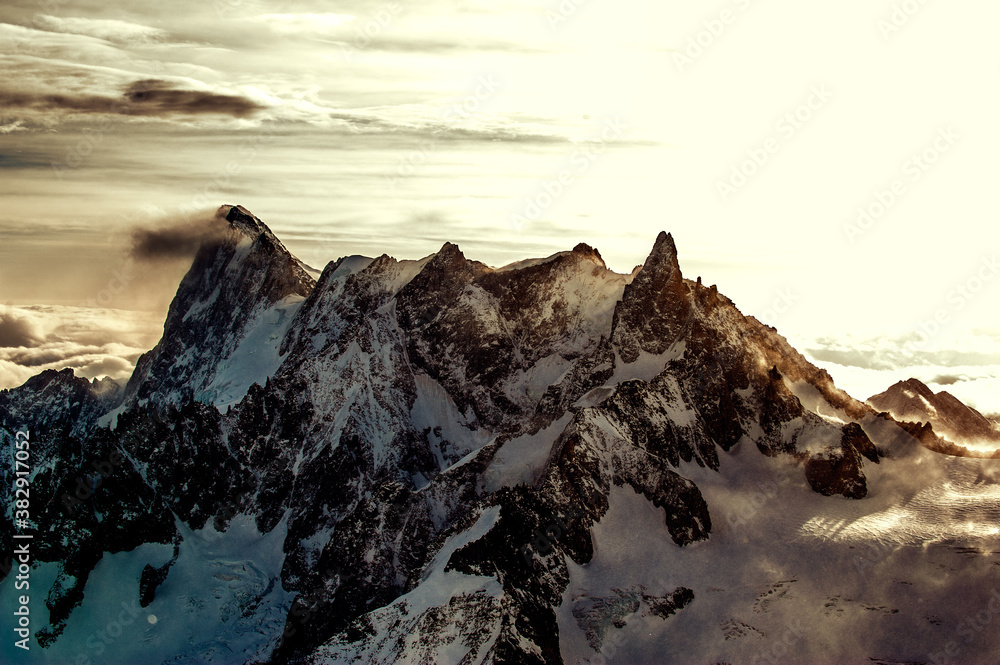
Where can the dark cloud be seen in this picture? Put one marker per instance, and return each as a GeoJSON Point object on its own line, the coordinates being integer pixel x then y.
{"type": "Point", "coordinates": [155, 97]}
{"type": "Point", "coordinates": [179, 239]}
{"type": "Point", "coordinates": [17, 331]}
{"type": "Point", "coordinates": [21, 161]}
{"type": "Point", "coordinates": [948, 379]}
{"type": "Point", "coordinates": [35, 101]}
{"type": "Point", "coordinates": [146, 98]}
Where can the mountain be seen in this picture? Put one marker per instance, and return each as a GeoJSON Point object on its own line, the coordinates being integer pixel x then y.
{"type": "Point", "coordinates": [60, 399]}
{"type": "Point", "coordinates": [959, 424]}
{"type": "Point", "coordinates": [440, 461]}
{"type": "Point", "coordinates": [231, 311]}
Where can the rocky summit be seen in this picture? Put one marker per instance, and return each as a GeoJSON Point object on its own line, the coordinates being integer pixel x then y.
{"type": "Point", "coordinates": [948, 424]}
{"type": "Point", "coordinates": [438, 461]}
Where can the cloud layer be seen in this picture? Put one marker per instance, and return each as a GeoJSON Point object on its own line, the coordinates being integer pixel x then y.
{"type": "Point", "coordinates": [373, 67]}
{"type": "Point", "coordinates": [94, 342]}
{"type": "Point", "coordinates": [967, 366]}
{"type": "Point", "coordinates": [375, 126]}
{"type": "Point", "coordinates": [110, 30]}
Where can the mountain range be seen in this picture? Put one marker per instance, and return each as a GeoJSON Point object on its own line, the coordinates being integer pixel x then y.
{"type": "Point", "coordinates": [947, 424]}
{"type": "Point", "coordinates": [438, 461]}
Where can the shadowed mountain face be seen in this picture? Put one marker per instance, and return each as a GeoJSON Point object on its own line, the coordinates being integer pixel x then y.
{"type": "Point", "coordinates": [439, 461]}
{"type": "Point", "coordinates": [958, 423]}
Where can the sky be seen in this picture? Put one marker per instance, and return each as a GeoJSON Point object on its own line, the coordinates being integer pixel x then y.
{"type": "Point", "coordinates": [830, 167]}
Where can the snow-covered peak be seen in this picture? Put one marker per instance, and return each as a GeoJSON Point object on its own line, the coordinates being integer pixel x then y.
{"type": "Point", "coordinates": [912, 400]}
{"type": "Point", "coordinates": [581, 250]}
{"type": "Point", "coordinates": [530, 263]}
{"type": "Point", "coordinates": [654, 306]}
{"type": "Point", "coordinates": [246, 285]}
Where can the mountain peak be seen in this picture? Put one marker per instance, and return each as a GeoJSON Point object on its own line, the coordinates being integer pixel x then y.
{"type": "Point", "coordinates": [590, 252]}
{"type": "Point", "coordinates": [912, 400]}
{"type": "Point", "coordinates": [448, 253]}
{"type": "Point", "coordinates": [663, 254]}
{"type": "Point", "coordinates": [907, 389]}
{"type": "Point", "coordinates": [245, 285]}
{"type": "Point", "coordinates": [451, 259]}
{"type": "Point", "coordinates": [918, 386]}
{"type": "Point", "coordinates": [59, 398]}
{"type": "Point", "coordinates": [654, 305]}
{"type": "Point", "coordinates": [242, 220]}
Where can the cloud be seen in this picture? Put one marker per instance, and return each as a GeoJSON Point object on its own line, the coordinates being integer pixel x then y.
{"type": "Point", "coordinates": [176, 239]}
{"type": "Point", "coordinates": [445, 44]}
{"type": "Point", "coordinates": [21, 159]}
{"type": "Point", "coordinates": [948, 379]}
{"type": "Point", "coordinates": [12, 375]}
{"type": "Point", "coordinates": [297, 24]}
{"type": "Point", "coordinates": [155, 97]}
{"type": "Point", "coordinates": [94, 342]}
{"type": "Point", "coordinates": [18, 331]}
{"type": "Point", "coordinates": [146, 98]}
{"type": "Point", "coordinates": [112, 30]}
{"type": "Point", "coordinates": [888, 352]}
{"type": "Point", "coordinates": [73, 69]}
{"type": "Point", "coordinates": [16, 125]}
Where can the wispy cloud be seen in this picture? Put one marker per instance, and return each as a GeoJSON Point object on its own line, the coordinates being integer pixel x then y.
{"type": "Point", "coordinates": [12, 127]}
{"type": "Point", "coordinates": [111, 30]}
{"type": "Point", "coordinates": [887, 352]}
{"type": "Point", "coordinates": [299, 24]}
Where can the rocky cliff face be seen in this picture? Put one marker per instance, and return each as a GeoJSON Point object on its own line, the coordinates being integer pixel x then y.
{"type": "Point", "coordinates": [434, 446]}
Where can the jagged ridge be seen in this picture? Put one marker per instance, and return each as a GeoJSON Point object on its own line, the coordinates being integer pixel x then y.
{"type": "Point", "coordinates": [432, 417]}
